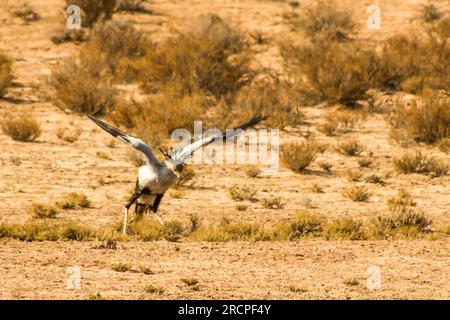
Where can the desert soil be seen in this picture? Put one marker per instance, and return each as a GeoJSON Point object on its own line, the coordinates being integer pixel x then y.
{"type": "Point", "coordinates": [45, 170]}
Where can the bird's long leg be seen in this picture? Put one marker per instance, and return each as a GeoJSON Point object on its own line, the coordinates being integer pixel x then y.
{"type": "Point", "coordinates": [137, 193]}
{"type": "Point", "coordinates": [125, 218]}
{"type": "Point", "coordinates": [155, 207]}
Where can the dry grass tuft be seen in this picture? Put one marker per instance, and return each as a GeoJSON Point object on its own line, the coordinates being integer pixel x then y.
{"type": "Point", "coordinates": [83, 86]}
{"type": "Point", "coordinates": [353, 175]}
{"type": "Point", "coordinates": [273, 203]}
{"type": "Point", "coordinates": [21, 127]}
{"type": "Point", "coordinates": [253, 171]}
{"type": "Point", "coordinates": [357, 193]}
{"type": "Point", "coordinates": [242, 193]}
{"type": "Point", "coordinates": [425, 121]}
{"type": "Point", "coordinates": [345, 229]}
{"type": "Point", "coordinates": [332, 72]}
{"type": "Point", "coordinates": [121, 267]}
{"type": "Point", "coordinates": [154, 289]}
{"type": "Point", "coordinates": [6, 76]}
{"type": "Point", "coordinates": [74, 200]}
{"type": "Point", "coordinates": [350, 148]}
{"type": "Point", "coordinates": [298, 156]}
{"type": "Point", "coordinates": [429, 13]}
{"type": "Point", "coordinates": [419, 163]}
{"type": "Point", "coordinates": [303, 224]}
{"type": "Point", "coordinates": [211, 57]}
{"type": "Point", "coordinates": [43, 211]}
{"type": "Point", "coordinates": [133, 6]}
{"type": "Point", "coordinates": [27, 14]}
{"type": "Point", "coordinates": [68, 134]}
{"type": "Point", "coordinates": [325, 21]}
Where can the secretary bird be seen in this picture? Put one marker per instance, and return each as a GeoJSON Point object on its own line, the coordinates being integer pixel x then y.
{"type": "Point", "coordinates": [155, 177]}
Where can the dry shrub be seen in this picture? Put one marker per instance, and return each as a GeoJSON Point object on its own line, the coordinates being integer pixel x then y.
{"type": "Point", "coordinates": [344, 120]}
{"type": "Point", "coordinates": [74, 200]}
{"type": "Point", "coordinates": [325, 21]}
{"type": "Point", "coordinates": [365, 162]}
{"type": "Point", "coordinates": [303, 224]}
{"type": "Point", "coordinates": [159, 115]}
{"type": "Point", "coordinates": [133, 6]}
{"type": "Point", "coordinates": [43, 211]}
{"type": "Point", "coordinates": [21, 127]}
{"type": "Point", "coordinates": [357, 193]}
{"type": "Point", "coordinates": [154, 289]}
{"type": "Point", "coordinates": [345, 229]}
{"type": "Point", "coordinates": [407, 222]}
{"type": "Point", "coordinates": [414, 65]}
{"type": "Point", "coordinates": [63, 35]}
{"type": "Point", "coordinates": [429, 13]}
{"type": "Point", "coordinates": [68, 134]}
{"type": "Point", "coordinates": [298, 156]}
{"type": "Point", "coordinates": [242, 193]}
{"type": "Point", "coordinates": [375, 179]}
{"type": "Point", "coordinates": [6, 76]}
{"type": "Point", "coordinates": [212, 57]}
{"type": "Point", "coordinates": [121, 267]}
{"type": "Point", "coordinates": [94, 10]}
{"type": "Point", "coordinates": [253, 170]}
{"type": "Point", "coordinates": [350, 148]}
{"type": "Point", "coordinates": [83, 85]}
{"type": "Point", "coordinates": [119, 43]}
{"type": "Point", "coordinates": [26, 13]}
{"type": "Point", "coordinates": [276, 100]}
{"type": "Point", "coordinates": [228, 231]}
{"type": "Point", "coordinates": [401, 200]}
{"type": "Point", "coordinates": [332, 72]}
{"type": "Point", "coordinates": [353, 174]}
{"type": "Point", "coordinates": [273, 203]}
{"type": "Point", "coordinates": [45, 230]}
{"type": "Point", "coordinates": [424, 121]}
{"type": "Point", "coordinates": [444, 145]}
{"type": "Point", "coordinates": [419, 163]}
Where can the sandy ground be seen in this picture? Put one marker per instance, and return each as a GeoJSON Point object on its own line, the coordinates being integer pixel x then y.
{"type": "Point", "coordinates": [47, 169]}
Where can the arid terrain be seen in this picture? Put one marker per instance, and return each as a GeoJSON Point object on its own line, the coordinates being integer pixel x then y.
{"type": "Point", "coordinates": [47, 169]}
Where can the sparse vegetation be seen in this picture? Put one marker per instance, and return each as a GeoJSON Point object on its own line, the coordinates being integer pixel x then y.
{"type": "Point", "coordinates": [303, 224]}
{"type": "Point", "coordinates": [6, 76]}
{"type": "Point", "coordinates": [23, 127]}
{"type": "Point", "coordinates": [325, 21]}
{"type": "Point", "coordinates": [357, 193]}
{"type": "Point", "coordinates": [253, 171]}
{"type": "Point", "coordinates": [375, 179]}
{"type": "Point", "coordinates": [345, 229]}
{"type": "Point", "coordinates": [351, 282]}
{"type": "Point", "coordinates": [26, 13]}
{"type": "Point", "coordinates": [424, 121]}
{"type": "Point", "coordinates": [121, 267]}
{"type": "Point", "coordinates": [190, 281]}
{"type": "Point", "coordinates": [365, 162]}
{"type": "Point", "coordinates": [298, 156]}
{"type": "Point", "coordinates": [273, 203]}
{"type": "Point", "coordinates": [154, 289]}
{"type": "Point", "coordinates": [419, 163]}
{"type": "Point", "coordinates": [74, 200]}
{"type": "Point", "coordinates": [353, 175]}
{"type": "Point", "coordinates": [350, 148]}
{"type": "Point", "coordinates": [242, 193]}
{"type": "Point", "coordinates": [83, 86]}
{"type": "Point", "coordinates": [333, 72]}
{"type": "Point", "coordinates": [68, 135]}
{"type": "Point", "coordinates": [133, 6]}
{"type": "Point", "coordinates": [429, 13]}
{"type": "Point", "coordinates": [43, 211]}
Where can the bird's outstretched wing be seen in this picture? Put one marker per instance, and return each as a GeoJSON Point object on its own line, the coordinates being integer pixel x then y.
{"type": "Point", "coordinates": [182, 153]}
{"type": "Point", "coordinates": [137, 143]}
